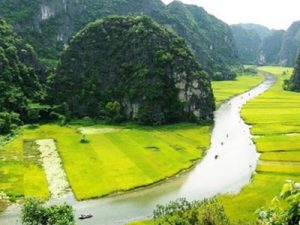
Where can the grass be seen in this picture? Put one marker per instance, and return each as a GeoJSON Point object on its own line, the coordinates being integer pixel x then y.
{"type": "Point", "coordinates": [111, 161]}
{"type": "Point", "coordinates": [263, 188]}
{"type": "Point", "coordinates": [275, 118]}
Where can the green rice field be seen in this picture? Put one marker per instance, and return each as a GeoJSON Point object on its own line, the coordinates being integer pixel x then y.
{"type": "Point", "coordinates": [224, 90]}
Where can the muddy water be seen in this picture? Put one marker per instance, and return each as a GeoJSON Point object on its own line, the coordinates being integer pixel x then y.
{"type": "Point", "coordinates": [226, 168]}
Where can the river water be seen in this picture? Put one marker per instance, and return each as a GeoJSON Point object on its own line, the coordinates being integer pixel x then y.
{"type": "Point", "coordinates": [226, 168]}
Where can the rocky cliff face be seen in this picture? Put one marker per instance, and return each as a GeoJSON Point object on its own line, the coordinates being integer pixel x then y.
{"type": "Point", "coordinates": [48, 25]}
{"type": "Point", "coordinates": [248, 43]}
{"type": "Point", "coordinates": [290, 45]}
{"type": "Point", "coordinates": [275, 47]}
{"type": "Point", "coordinates": [130, 67]}
{"type": "Point", "coordinates": [269, 52]}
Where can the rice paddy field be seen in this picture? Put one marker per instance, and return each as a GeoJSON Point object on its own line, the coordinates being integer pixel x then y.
{"type": "Point", "coordinates": [225, 90]}
{"type": "Point", "coordinates": [116, 158]}
{"type": "Point", "coordinates": [275, 120]}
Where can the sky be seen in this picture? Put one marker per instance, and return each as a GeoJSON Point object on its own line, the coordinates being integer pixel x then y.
{"type": "Point", "coordinates": [274, 14]}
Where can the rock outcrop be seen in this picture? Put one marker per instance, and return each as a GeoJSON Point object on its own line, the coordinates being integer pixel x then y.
{"type": "Point", "coordinates": [132, 68]}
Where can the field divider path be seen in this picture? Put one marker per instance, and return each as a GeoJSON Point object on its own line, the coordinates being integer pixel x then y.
{"type": "Point", "coordinates": [56, 177]}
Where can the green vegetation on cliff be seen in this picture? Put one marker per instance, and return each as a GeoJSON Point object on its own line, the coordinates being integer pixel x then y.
{"type": "Point", "coordinates": [290, 45]}
{"type": "Point", "coordinates": [270, 48]}
{"type": "Point", "coordinates": [131, 68]}
{"type": "Point", "coordinates": [293, 84]}
{"type": "Point", "coordinates": [247, 42]}
{"type": "Point", "coordinates": [20, 87]}
{"type": "Point", "coordinates": [209, 37]}
{"type": "Point", "coordinates": [48, 25]}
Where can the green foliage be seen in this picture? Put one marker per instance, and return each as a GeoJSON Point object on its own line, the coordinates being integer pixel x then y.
{"type": "Point", "coordinates": [113, 111]}
{"type": "Point", "coordinates": [182, 212]}
{"type": "Point", "coordinates": [290, 45]}
{"type": "Point", "coordinates": [19, 83]}
{"type": "Point", "coordinates": [130, 68]}
{"type": "Point", "coordinates": [218, 76]}
{"type": "Point", "coordinates": [8, 121]}
{"type": "Point", "coordinates": [278, 214]}
{"type": "Point", "coordinates": [210, 38]}
{"type": "Point", "coordinates": [84, 139]}
{"type": "Point", "coordinates": [34, 213]}
{"type": "Point", "coordinates": [293, 84]}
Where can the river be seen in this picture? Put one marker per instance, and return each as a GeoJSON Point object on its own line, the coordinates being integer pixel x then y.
{"type": "Point", "coordinates": [226, 168]}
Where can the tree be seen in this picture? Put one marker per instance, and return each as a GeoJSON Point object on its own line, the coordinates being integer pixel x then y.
{"type": "Point", "coordinates": [279, 213]}
{"type": "Point", "coordinates": [113, 111]}
{"type": "Point", "coordinates": [293, 84]}
{"type": "Point", "coordinates": [34, 213]}
{"type": "Point", "coordinates": [8, 121]}
{"type": "Point", "coordinates": [183, 212]}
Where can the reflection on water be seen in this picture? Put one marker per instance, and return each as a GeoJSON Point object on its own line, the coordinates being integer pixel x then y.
{"type": "Point", "coordinates": [226, 168]}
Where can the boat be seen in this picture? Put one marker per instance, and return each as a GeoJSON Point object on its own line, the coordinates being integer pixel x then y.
{"type": "Point", "coordinates": [85, 216]}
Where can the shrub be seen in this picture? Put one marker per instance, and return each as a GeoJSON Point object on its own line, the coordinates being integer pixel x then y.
{"type": "Point", "coordinates": [113, 111]}
{"type": "Point", "coordinates": [279, 213]}
{"type": "Point", "coordinates": [34, 213]}
{"type": "Point", "coordinates": [8, 121]}
{"type": "Point", "coordinates": [183, 212]}
{"type": "Point", "coordinates": [84, 140]}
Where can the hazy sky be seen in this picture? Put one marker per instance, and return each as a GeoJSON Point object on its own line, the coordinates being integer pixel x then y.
{"type": "Point", "coordinates": [276, 14]}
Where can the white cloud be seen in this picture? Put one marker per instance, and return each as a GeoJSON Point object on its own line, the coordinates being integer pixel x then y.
{"type": "Point", "coordinates": [276, 14]}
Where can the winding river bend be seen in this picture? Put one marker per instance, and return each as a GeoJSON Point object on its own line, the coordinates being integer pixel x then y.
{"type": "Point", "coordinates": [226, 168]}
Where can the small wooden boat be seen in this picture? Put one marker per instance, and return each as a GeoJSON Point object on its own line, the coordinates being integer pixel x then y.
{"type": "Point", "coordinates": [85, 216]}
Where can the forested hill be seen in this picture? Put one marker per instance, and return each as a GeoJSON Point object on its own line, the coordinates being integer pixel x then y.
{"type": "Point", "coordinates": [259, 45]}
{"type": "Point", "coordinates": [290, 45]}
{"type": "Point", "coordinates": [294, 83]}
{"type": "Point", "coordinates": [48, 25]}
{"type": "Point", "coordinates": [130, 68]}
{"type": "Point", "coordinates": [19, 83]}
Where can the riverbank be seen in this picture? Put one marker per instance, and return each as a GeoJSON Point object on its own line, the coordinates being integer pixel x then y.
{"type": "Point", "coordinates": [275, 120]}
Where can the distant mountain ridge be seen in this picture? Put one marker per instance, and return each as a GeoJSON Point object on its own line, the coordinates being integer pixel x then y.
{"type": "Point", "coordinates": [273, 47]}
{"type": "Point", "coordinates": [48, 25]}
{"type": "Point", "coordinates": [261, 30]}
